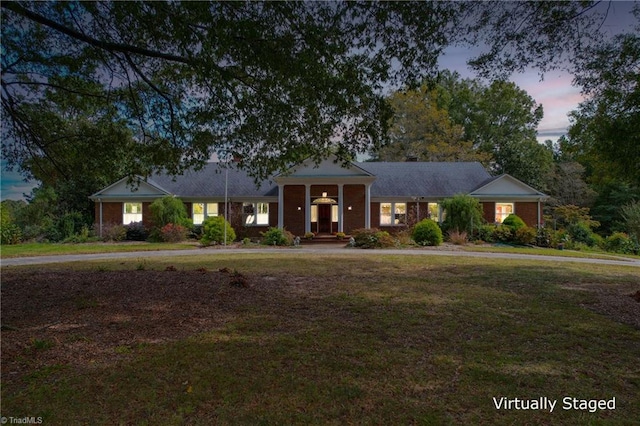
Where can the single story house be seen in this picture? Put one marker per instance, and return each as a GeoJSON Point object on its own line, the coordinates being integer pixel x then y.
{"type": "Point", "coordinates": [323, 198]}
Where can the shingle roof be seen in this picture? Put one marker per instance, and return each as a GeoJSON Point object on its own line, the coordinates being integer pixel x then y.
{"type": "Point", "coordinates": [425, 179]}
{"type": "Point", "coordinates": [392, 180]}
{"type": "Point", "coordinates": [210, 182]}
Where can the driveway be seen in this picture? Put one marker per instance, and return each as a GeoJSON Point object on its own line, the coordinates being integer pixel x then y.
{"type": "Point", "coordinates": [41, 260]}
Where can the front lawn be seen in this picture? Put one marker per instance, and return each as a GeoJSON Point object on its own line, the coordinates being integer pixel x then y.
{"type": "Point", "coordinates": [289, 338]}
{"type": "Point", "coordinates": [51, 249]}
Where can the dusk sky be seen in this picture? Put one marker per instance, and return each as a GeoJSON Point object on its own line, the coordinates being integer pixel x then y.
{"type": "Point", "coordinates": [556, 93]}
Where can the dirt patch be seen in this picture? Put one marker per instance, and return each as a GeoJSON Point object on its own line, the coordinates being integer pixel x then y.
{"type": "Point", "coordinates": [621, 304]}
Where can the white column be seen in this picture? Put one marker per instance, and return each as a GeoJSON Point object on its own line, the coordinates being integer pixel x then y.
{"type": "Point", "coordinates": [367, 206]}
{"type": "Point", "coordinates": [280, 206]}
{"type": "Point", "coordinates": [307, 208]}
{"type": "Point", "coordinates": [100, 200]}
{"type": "Point", "coordinates": [340, 208]}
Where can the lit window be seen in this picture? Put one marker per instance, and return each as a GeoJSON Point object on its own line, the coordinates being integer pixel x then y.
{"type": "Point", "coordinates": [255, 213]}
{"type": "Point", "coordinates": [393, 213]}
{"type": "Point", "coordinates": [132, 213]}
{"type": "Point", "coordinates": [434, 211]}
{"type": "Point", "coordinates": [202, 210]}
{"type": "Point", "coordinates": [503, 210]}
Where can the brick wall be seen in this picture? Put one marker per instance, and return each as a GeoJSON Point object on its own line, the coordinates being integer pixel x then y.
{"type": "Point", "coordinates": [489, 211]}
{"type": "Point", "coordinates": [528, 212]}
{"type": "Point", "coordinates": [293, 218]}
{"type": "Point", "coordinates": [111, 213]}
{"type": "Point", "coordinates": [354, 196]}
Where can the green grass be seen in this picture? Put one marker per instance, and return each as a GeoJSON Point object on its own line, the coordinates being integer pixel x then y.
{"type": "Point", "coordinates": [364, 340]}
{"type": "Point", "coordinates": [593, 253]}
{"type": "Point", "coordinates": [51, 249]}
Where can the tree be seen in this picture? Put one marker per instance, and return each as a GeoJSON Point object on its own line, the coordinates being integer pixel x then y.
{"type": "Point", "coordinates": [271, 82]}
{"type": "Point", "coordinates": [422, 130]}
{"type": "Point", "coordinates": [462, 214]}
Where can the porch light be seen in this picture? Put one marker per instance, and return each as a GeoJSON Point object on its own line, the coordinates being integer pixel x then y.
{"type": "Point", "coordinates": [324, 195]}
{"type": "Point", "coordinates": [299, 208]}
{"type": "Point", "coordinates": [349, 208]}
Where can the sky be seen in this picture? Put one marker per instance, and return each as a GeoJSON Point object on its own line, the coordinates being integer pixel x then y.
{"type": "Point", "coordinates": [555, 93]}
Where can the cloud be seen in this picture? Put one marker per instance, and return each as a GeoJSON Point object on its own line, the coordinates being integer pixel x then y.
{"type": "Point", "coordinates": [13, 186]}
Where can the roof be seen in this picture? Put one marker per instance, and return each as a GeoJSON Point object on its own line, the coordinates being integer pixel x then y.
{"type": "Point", "coordinates": [392, 179]}
{"type": "Point", "coordinates": [425, 179]}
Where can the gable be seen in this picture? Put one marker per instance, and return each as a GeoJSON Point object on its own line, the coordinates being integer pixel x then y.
{"type": "Point", "coordinates": [138, 188]}
{"type": "Point", "coordinates": [327, 168]}
{"type": "Point", "coordinates": [505, 185]}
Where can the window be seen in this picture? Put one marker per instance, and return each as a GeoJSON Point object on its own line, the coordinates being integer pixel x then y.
{"type": "Point", "coordinates": [434, 211]}
{"type": "Point", "coordinates": [503, 210]}
{"type": "Point", "coordinates": [132, 213]}
{"type": "Point", "coordinates": [203, 210]}
{"type": "Point", "coordinates": [393, 213]}
{"type": "Point", "coordinates": [255, 213]}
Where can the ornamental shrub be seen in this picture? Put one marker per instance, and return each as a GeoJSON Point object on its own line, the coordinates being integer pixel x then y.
{"type": "Point", "coordinates": [113, 232]}
{"type": "Point", "coordinates": [427, 233]}
{"type": "Point", "coordinates": [372, 238]}
{"type": "Point", "coordinates": [213, 231]}
{"type": "Point", "coordinates": [485, 233]}
{"type": "Point", "coordinates": [503, 234]}
{"type": "Point", "coordinates": [580, 232]}
{"type": "Point", "coordinates": [513, 221]}
{"type": "Point", "coordinates": [172, 233]}
{"type": "Point", "coordinates": [463, 213]}
{"type": "Point", "coordinates": [169, 209]}
{"type": "Point", "coordinates": [618, 242]}
{"type": "Point", "coordinates": [136, 232]}
{"type": "Point", "coordinates": [525, 235]}
{"type": "Point", "coordinates": [277, 237]}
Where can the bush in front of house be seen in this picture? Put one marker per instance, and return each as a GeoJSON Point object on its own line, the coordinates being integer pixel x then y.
{"type": "Point", "coordinates": [277, 237]}
{"type": "Point", "coordinates": [169, 209]}
{"type": "Point", "coordinates": [514, 222]}
{"type": "Point", "coordinates": [580, 232]}
{"type": "Point", "coordinates": [427, 233]}
{"type": "Point", "coordinates": [113, 232]}
{"type": "Point", "coordinates": [173, 233]}
{"type": "Point", "coordinates": [525, 236]}
{"type": "Point", "coordinates": [213, 231]}
{"type": "Point", "coordinates": [136, 232]}
{"type": "Point", "coordinates": [372, 238]}
{"type": "Point", "coordinates": [463, 214]}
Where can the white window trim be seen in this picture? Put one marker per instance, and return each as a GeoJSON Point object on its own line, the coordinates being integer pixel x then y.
{"type": "Point", "coordinates": [393, 214]}
{"type": "Point", "coordinates": [205, 211]}
{"type": "Point", "coordinates": [500, 220]}
{"type": "Point", "coordinates": [255, 215]}
{"type": "Point", "coordinates": [128, 218]}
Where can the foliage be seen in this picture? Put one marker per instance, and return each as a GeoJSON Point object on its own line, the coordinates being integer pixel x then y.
{"type": "Point", "coordinates": [631, 215]}
{"type": "Point", "coordinates": [169, 209]}
{"type": "Point", "coordinates": [372, 238]}
{"type": "Point", "coordinates": [10, 233]}
{"type": "Point", "coordinates": [423, 131]}
{"type": "Point", "coordinates": [570, 215]}
{"type": "Point", "coordinates": [606, 208]}
{"type": "Point", "coordinates": [113, 232]}
{"type": "Point", "coordinates": [280, 80]}
{"type": "Point", "coordinates": [620, 242]}
{"type": "Point", "coordinates": [503, 234]}
{"type": "Point", "coordinates": [172, 233]}
{"type": "Point", "coordinates": [309, 235]}
{"type": "Point", "coordinates": [213, 230]}
{"type": "Point", "coordinates": [605, 130]}
{"type": "Point", "coordinates": [277, 237]}
{"type": "Point", "coordinates": [514, 221]}
{"type": "Point", "coordinates": [580, 232]}
{"type": "Point", "coordinates": [457, 237]}
{"type": "Point", "coordinates": [525, 235]}
{"type": "Point", "coordinates": [463, 213]}
{"type": "Point", "coordinates": [136, 231]}
{"type": "Point", "coordinates": [484, 233]}
{"type": "Point", "coordinates": [427, 233]}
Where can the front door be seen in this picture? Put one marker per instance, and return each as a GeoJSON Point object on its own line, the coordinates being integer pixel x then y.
{"type": "Point", "coordinates": [324, 218]}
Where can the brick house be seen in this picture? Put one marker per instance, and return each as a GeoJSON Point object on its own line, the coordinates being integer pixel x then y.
{"type": "Point", "coordinates": [325, 198]}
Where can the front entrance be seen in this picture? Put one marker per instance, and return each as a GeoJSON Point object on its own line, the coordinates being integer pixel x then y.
{"type": "Point", "coordinates": [324, 218]}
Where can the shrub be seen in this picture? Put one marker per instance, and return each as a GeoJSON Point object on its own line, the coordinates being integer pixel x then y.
{"type": "Point", "coordinates": [172, 233]}
{"type": "Point", "coordinates": [503, 234]}
{"type": "Point", "coordinates": [484, 233]}
{"type": "Point", "coordinates": [457, 238]}
{"type": "Point", "coordinates": [524, 235]}
{"type": "Point", "coordinates": [277, 237]}
{"type": "Point", "coordinates": [618, 242]}
{"type": "Point", "coordinates": [463, 213]}
{"type": "Point", "coordinates": [515, 222]}
{"type": "Point", "coordinates": [372, 238]}
{"type": "Point", "coordinates": [213, 231]}
{"type": "Point", "coordinates": [427, 233]}
{"type": "Point", "coordinates": [631, 216]}
{"type": "Point", "coordinates": [580, 232]}
{"type": "Point", "coordinates": [136, 232]}
{"type": "Point", "coordinates": [169, 209]}
{"type": "Point", "coordinates": [10, 234]}
{"type": "Point", "coordinates": [113, 232]}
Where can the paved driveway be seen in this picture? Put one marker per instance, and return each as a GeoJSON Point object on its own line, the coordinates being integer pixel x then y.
{"type": "Point", "coordinates": [41, 260]}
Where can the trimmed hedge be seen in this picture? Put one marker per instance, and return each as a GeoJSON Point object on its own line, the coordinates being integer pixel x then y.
{"type": "Point", "coordinates": [427, 233]}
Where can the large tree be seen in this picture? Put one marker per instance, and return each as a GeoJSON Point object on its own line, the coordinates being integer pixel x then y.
{"type": "Point", "coordinates": [272, 82]}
